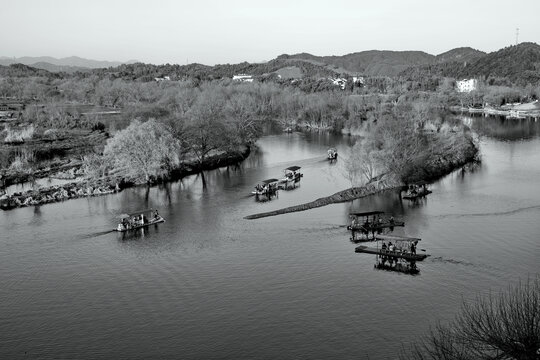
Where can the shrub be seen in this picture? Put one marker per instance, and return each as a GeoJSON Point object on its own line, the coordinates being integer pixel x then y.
{"type": "Point", "coordinates": [23, 161]}
{"type": "Point", "coordinates": [94, 166]}
{"type": "Point", "coordinates": [15, 136]}
{"type": "Point", "coordinates": [51, 134]}
{"type": "Point", "coordinates": [99, 126]}
{"type": "Point", "coordinates": [506, 326]}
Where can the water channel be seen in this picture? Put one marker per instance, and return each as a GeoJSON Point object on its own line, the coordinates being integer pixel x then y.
{"type": "Point", "coordinates": [208, 284]}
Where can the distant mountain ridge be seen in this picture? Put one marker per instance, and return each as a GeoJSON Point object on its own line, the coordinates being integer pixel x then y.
{"type": "Point", "coordinates": [72, 61]}
{"type": "Point", "coordinates": [518, 63]}
{"type": "Point", "coordinates": [372, 62]}
{"type": "Point", "coordinates": [387, 62]}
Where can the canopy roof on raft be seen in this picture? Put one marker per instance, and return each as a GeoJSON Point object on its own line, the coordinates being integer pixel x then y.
{"type": "Point", "coordinates": [368, 213]}
{"type": "Point", "coordinates": [293, 168]}
{"type": "Point", "coordinates": [269, 181]}
{"type": "Point", "coordinates": [395, 238]}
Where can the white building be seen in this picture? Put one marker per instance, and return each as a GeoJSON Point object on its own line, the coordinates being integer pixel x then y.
{"type": "Point", "coordinates": [467, 85]}
{"type": "Point", "coordinates": [341, 82]}
{"type": "Point", "coordinates": [243, 78]}
{"type": "Point", "coordinates": [358, 80]}
{"type": "Point", "coordinates": [165, 78]}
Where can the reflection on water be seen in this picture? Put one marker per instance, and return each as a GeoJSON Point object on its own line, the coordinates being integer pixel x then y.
{"type": "Point", "coordinates": [502, 128]}
{"type": "Point", "coordinates": [207, 283]}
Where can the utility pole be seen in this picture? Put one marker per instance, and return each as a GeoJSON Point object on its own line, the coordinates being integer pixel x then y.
{"type": "Point", "coordinates": [517, 35]}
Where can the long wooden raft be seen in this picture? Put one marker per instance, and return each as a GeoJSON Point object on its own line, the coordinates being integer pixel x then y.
{"type": "Point", "coordinates": [392, 254]}
{"type": "Point", "coordinates": [377, 226]}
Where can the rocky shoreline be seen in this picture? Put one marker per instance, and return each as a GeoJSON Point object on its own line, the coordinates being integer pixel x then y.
{"type": "Point", "coordinates": [110, 185]}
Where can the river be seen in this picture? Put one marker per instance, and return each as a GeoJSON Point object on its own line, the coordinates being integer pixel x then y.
{"type": "Point", "coordinates": [208, 284]}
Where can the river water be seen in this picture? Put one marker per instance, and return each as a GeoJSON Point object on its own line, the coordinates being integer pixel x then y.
{"type": "Point", "coordinates": [208, 284]}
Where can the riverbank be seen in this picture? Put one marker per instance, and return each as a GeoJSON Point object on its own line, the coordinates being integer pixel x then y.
{"type": "Point", "coordinates": [511, 112]}
{"type": "Point", "coordinates": [47, 156]}
{"type": "Point", "coordinates": [110, 185]}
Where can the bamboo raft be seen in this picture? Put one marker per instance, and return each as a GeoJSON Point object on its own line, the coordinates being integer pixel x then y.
{"type": "Point", "coordinates": [418, 190]}
{"type": "Point", "coordinates": [376, 226]}
{"type": "Point", "coordinates": [138, 220]}
{"type": "Point", "coordinates": [149, 223]}
{"type": "Point", "coordinates": [418, 195]}
{"type": "Point", "coordinates": [391, 254]}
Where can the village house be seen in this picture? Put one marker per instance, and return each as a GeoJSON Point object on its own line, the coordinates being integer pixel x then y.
{"type": "Point", "coordinates": [358, 80]}
{"type": "Point", "coordinates": [341, 82]}
{"type": "Point", "coordinates": [467, 85]}
{"type": "Point", "coordinates": [243, 78]}
{"type": "Point", "coordinates": [165, 78]}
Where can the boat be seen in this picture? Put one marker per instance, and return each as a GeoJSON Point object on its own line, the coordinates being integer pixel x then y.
{"type": "Point", "coordinates": [266, 187]}
{"type": "Point", "coordinates": [292, 173]}
{"type": "Point", "coordinates": [364, 225]}
{"type": "Point", "coordinates": [292, 176]}
{"type": "Point", "coordinates": [395, 253]}
{"type": "Point", "coordinates": [139, 219]}
{"type": "Point", "coordinates": [516, 114]}
{"type": "Point", "coordinates": [332, 154]}
{"type": "Point", "coordinates": [416, 191]}
{"type": "Point", "coordinates": [476, 109]}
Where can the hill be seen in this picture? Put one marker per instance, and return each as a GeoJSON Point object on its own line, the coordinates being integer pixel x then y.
{"type": "Point", "coordinates": [519, 63]}
{"type": "Point", "coordinates": [373, 62]}
{"type": "Point", "coordinates": [147, 72]}
{"type": "Point", "coordinates": [462, 54]}
{"type": "Point", "coordinates": [21, 70]}
{"type": "Point", "coordinates": [58, 68]}
{"type": "Point", "coordinates": [67, 61]}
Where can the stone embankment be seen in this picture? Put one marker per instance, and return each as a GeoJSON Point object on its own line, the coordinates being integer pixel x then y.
{"type": "Point", "coordinates": [111, 185]}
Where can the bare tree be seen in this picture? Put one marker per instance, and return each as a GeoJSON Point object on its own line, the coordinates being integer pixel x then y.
{"type": "Point", "coordinates": [146, 149]}
{"type": "Point", "coordinates": [205, 128]}
{"type": "Point", "coordinates": [363, 164]}
{"type": "Point", "coordinates": [241, 120]}
{"type": "Point", "coordinates": [505, 326]}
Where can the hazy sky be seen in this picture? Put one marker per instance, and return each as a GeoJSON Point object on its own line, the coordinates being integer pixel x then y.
{"type": "Point", "coordinates": [213, 31]}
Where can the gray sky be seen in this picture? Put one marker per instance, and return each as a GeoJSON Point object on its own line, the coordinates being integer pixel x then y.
{"type": "Point", "coordinates": [231, 31]}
